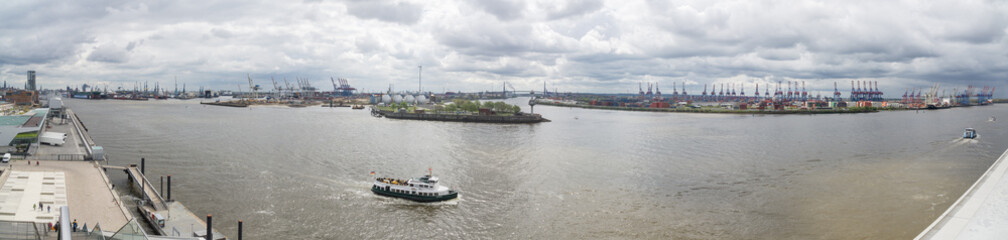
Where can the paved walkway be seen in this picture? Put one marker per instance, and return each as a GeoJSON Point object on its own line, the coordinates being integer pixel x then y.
{"type": "Point", "coordinates": [24, 190]}
{"type": "Point", "coordinates": [86, 191]}
{"type": "Point", "coordinates": [981, 213]}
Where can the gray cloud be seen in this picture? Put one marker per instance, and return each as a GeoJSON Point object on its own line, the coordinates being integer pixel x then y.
{"type": "Point", "coordinates": [575, 8]}
{"type": "Point", "coordinates": [108, 53]}
{"type": "Point", "coordinates": [504, 10]}
{"type": "Point", "coordinates": [395, 12]}
{"type": "Point", "coordinates": [586, 46]}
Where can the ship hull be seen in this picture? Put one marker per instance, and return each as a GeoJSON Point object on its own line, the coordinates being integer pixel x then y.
{"type": "Point", "coordinates": [415, 198]}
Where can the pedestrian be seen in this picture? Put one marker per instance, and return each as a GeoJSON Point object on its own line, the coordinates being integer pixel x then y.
{"type": "Point", "coordinates": [74, 226]}
{"type": "Point", "coordinates": [36, 163]}
{"type": "Point", "coordinates": [50, 226]}
{"type": "Point", "coordinates": [40, 206]}
{"type": "Point", "coordinates": [48, 209]}
{"type": "Point", "coordinates": [33, 206]}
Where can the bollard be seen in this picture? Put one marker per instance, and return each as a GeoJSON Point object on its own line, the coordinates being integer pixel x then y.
{"type": "Point", "coordinates": [239, 229]}
{"type": "Point", "coordinates": [142, 166]}
{"type": "Point", "coordinates": [169, 188]}
{"type": "Point", "coordinates": [209, 227]}
{"type": "Point", "coordinates": [161, 190]}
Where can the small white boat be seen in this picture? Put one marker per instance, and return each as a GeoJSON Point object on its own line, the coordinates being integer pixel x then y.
{"type": "Point", "coordinates": [423, 189]}
{"type": "Point", "coordinates": [970, 133]}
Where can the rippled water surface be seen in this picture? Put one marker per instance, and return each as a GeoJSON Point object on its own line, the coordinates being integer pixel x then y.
{"type": "Point", "coordinates": [302, 173]}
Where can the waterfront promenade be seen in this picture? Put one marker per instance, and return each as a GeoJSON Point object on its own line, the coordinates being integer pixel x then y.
{"type": "Point", "coordinates": [981, 212]}
{"type": "Point", "coordinates": [78, 184]}
{"type": "Point", "coordinates": [72, 175]}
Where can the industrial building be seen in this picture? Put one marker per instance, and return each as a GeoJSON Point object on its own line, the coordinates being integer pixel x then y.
{"type": "Point", "coordinates": [22, 129]}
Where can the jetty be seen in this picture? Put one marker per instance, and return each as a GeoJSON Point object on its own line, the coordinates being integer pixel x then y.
{"type": "Point", "coordinates": [980, 212]}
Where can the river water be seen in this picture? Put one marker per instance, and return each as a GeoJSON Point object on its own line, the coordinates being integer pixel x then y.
{"type": "Point", "coordinates": [303, 173]}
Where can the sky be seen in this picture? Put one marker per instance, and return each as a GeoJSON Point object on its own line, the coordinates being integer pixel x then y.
{"type": "Point", "coordinates": [572, 46]}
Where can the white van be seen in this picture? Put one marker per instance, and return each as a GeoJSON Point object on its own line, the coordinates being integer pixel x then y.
{"type": "Point", "coordinates": [6, 157]}
{"type": "Point", "coordinates": [51, 141]}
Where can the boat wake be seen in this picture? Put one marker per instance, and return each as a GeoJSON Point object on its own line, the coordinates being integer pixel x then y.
{"type": "Point", "coordinates": [403, 202]}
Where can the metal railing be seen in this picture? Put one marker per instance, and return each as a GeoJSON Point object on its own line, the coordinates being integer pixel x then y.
{"type": "Point", "coordinates": [58, 157]}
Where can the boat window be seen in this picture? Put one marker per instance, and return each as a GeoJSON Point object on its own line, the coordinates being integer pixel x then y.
{"type": "Point", "coordinates": [435, 194]}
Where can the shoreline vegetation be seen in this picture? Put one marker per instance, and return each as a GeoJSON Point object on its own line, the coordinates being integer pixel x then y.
{"type": "Point", "coordinates": [458, 110]}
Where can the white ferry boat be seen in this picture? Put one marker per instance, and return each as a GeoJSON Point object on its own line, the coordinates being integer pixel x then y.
{"type": "Point", "coordinates": [423, 189]}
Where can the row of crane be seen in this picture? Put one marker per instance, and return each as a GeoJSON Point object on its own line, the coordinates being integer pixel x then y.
{"type": "Point", "coordinates": [715, 94]}
{"type": "Point", "coordinates": [301, 88]}
{"type": "Point", "coordinates": [866, 91]}
{"type": "Point", "coordinates": [964, 98]}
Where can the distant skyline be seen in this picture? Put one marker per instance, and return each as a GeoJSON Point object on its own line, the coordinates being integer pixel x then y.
{"type": "Point", "coordinates": [575, 46]}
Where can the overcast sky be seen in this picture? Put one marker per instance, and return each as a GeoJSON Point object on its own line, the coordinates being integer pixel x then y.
{"type": "Point", "coordinates": [577, 46]}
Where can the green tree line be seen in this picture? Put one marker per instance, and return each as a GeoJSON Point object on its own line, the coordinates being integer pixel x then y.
{"type": "Point", "coordinates": [474, 106]}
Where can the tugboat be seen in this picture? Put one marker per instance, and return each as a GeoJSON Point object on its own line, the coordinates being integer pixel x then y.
{"type": "Point", "coordinates": [970, 133]}
{"type": "Point", "coordinates": [423, 189]}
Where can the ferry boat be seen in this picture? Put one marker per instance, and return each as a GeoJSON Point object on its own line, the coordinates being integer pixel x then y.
{"type": "Point", "coordinates": [970, 133]}
{"type": "Point", "coordinates": [423, 189]}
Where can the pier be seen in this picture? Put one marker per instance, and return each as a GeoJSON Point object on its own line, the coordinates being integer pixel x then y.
{"type": "Point", "coordinates": [69, 180]}
{"type": "Point", "coordinates": [980, 212]}
{"type": "Point", "coordinates": [167, 217]}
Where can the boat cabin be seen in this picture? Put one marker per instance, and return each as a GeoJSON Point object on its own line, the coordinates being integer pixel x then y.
{"type": "Point", "coordinates": [970, 133]}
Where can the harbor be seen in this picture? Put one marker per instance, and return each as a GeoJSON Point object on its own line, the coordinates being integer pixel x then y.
{"type": "Point", "coordinates": [600, 119]}
{"type": "Point", "coordinates": [71, 178]}
{"type": "Point", "coordinates": [865, 98]}
{"type": "Point", "coordinates": [892, 188]}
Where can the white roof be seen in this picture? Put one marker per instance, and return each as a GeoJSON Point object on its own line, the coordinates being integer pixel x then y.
{"type": "Point", "coordinates": [53, 134]}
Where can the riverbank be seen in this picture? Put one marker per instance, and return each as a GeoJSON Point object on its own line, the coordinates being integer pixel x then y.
{"type": "Point", "coordinates": [714, 110]}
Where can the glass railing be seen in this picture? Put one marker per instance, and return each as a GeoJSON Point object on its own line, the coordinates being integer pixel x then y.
{"type": "Point", "coordinates": [95, 233]}
{"type": "Point", "coordinates": [130, 231]}
{"type": "Point", "coordinates": [21, 230]}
